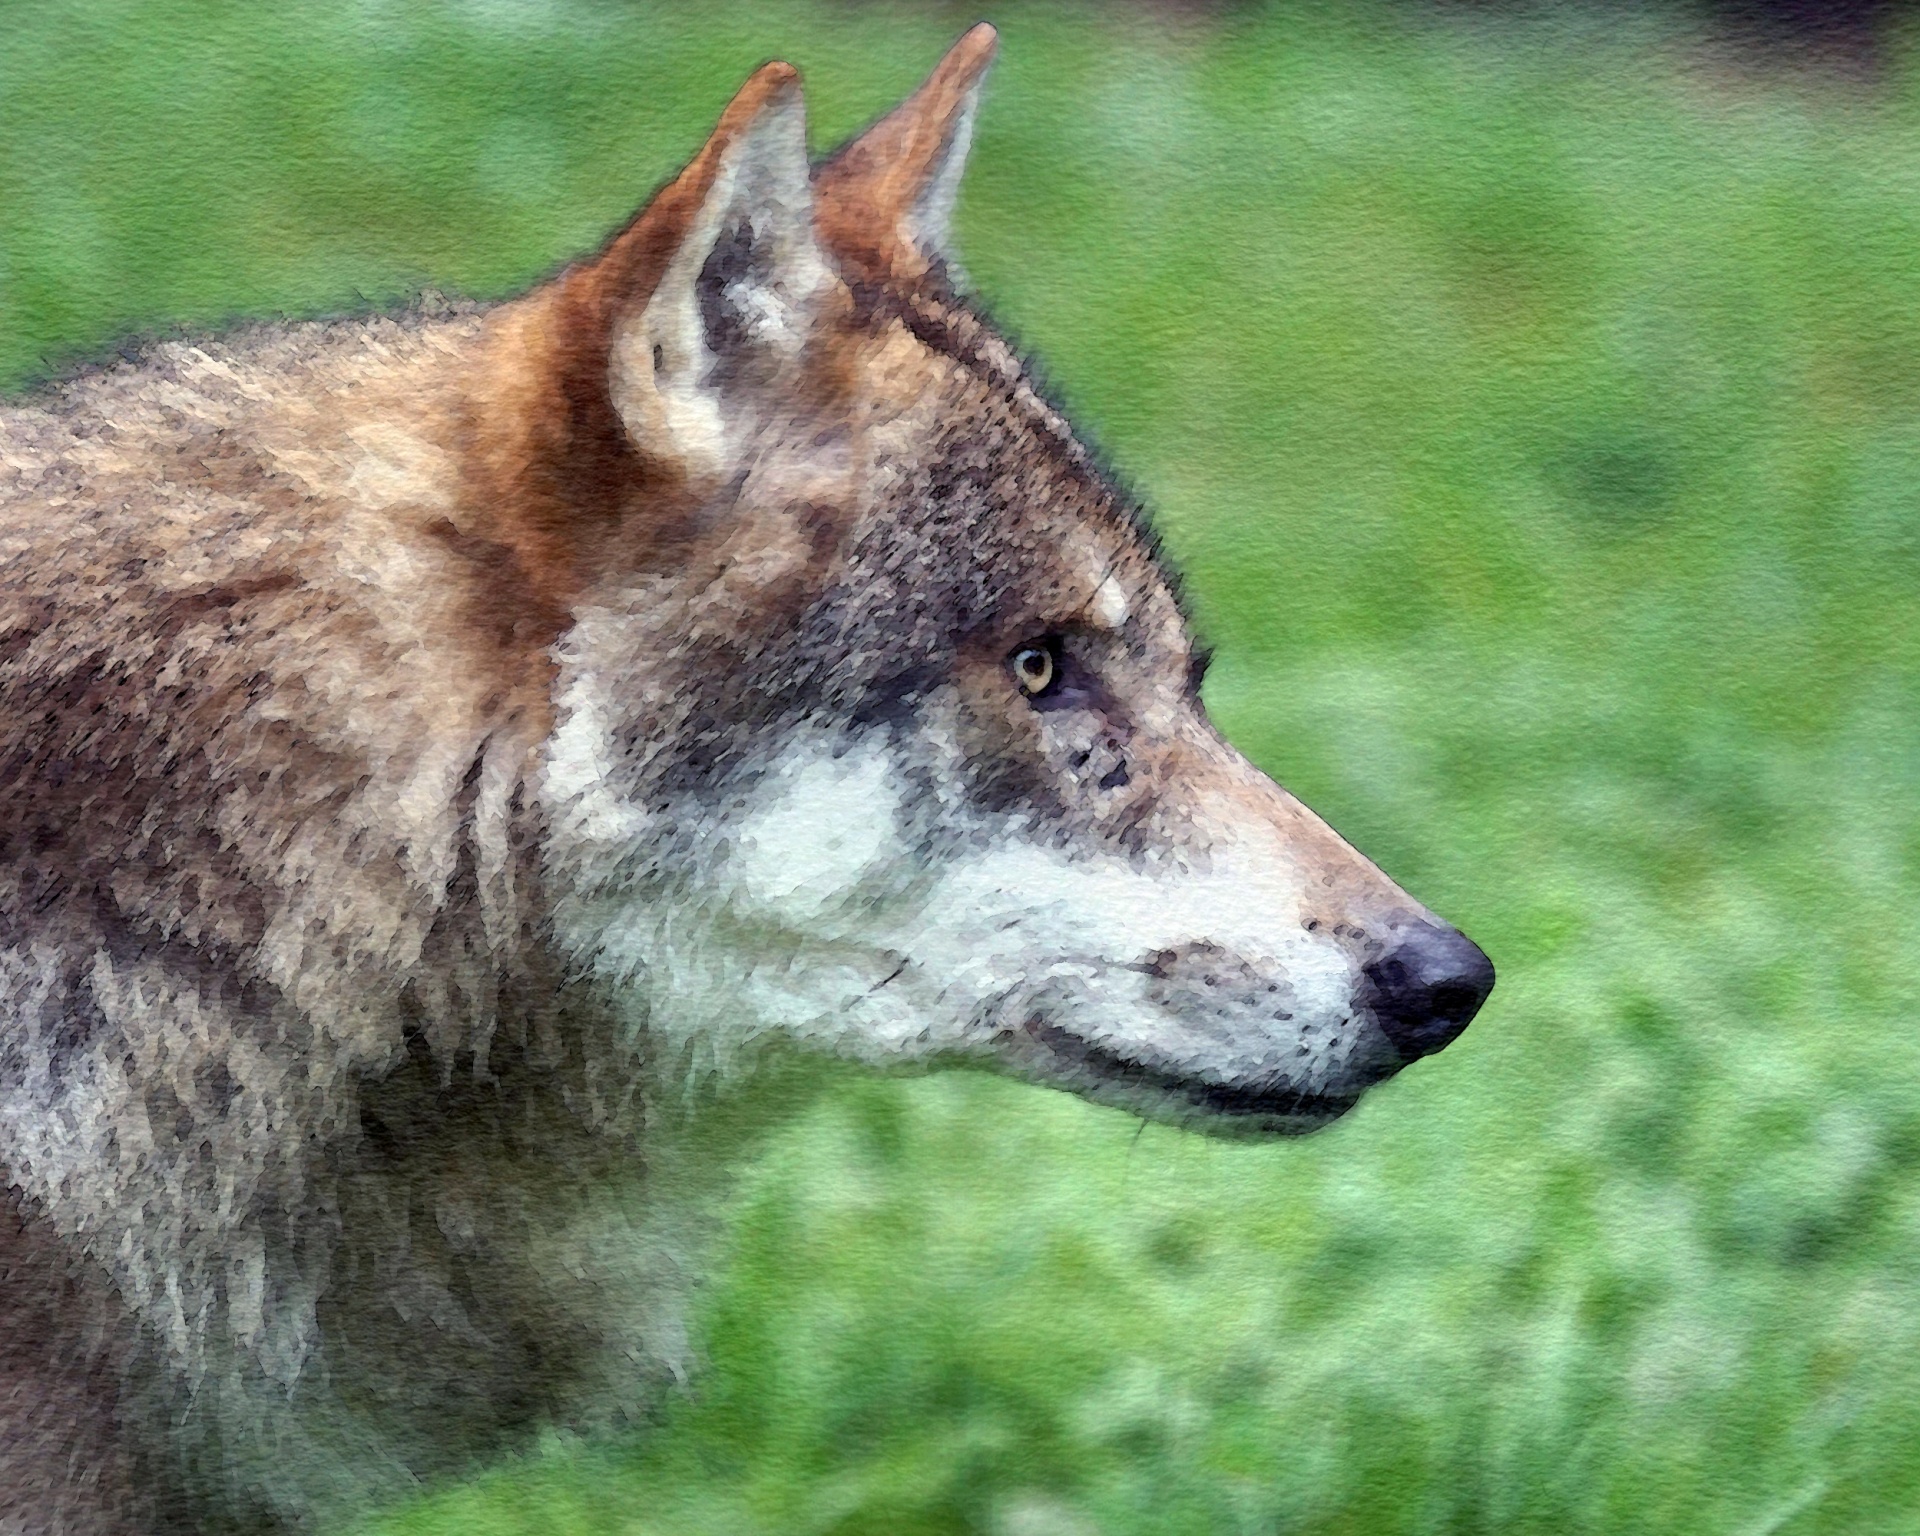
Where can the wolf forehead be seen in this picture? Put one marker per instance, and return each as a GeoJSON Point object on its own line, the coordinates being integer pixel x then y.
{"type": "Point", "coordinates": [982, 517]}
{"type": "Point", "coordinates": [766, 394]}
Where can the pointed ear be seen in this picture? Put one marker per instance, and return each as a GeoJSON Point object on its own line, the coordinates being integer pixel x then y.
{"type": "Point", "coordinates": [738, 285]}
{"type": "Point", "coordinates": [885, 201]}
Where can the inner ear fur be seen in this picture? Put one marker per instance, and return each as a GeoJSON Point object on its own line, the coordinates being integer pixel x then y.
{"type": "Point", "coordinates": [734, 298]}
{"type": "Point", "coordinates": [884, 202]}
{"type": "Point", "coordinates": [672, 332]}
{"type": "Point", "coordinates": [617, 400]}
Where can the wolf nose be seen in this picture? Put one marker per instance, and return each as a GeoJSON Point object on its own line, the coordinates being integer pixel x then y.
{"type": "Point", "coordinates": [1427, 987]}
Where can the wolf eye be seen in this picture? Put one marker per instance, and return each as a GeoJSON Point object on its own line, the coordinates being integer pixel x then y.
{"type": "Point", "coordinates": [1034, 669]}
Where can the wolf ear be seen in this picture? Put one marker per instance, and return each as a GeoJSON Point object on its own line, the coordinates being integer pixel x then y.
{"type": "Point", "coordinates": [885, 200]}
{"type": "Point", "coordinates": [739, 278]}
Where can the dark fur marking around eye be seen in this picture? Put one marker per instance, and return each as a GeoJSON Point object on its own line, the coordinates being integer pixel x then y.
{"type": "Point", "coordinates": [896, 698]}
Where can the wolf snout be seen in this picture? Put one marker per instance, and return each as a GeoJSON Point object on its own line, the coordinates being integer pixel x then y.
{"type": "Point", "coordinates": [1426, 988]}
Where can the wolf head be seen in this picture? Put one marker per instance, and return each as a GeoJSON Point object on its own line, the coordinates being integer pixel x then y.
{"type": "Point", "coordinates": [876, 721]}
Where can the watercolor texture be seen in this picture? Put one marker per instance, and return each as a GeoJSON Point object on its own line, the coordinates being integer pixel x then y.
{"type": "Point", "coordinates": [644, 878]}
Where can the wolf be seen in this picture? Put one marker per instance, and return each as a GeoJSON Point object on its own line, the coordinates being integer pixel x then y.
{"type": "Point", "coordinates": [452, 757]}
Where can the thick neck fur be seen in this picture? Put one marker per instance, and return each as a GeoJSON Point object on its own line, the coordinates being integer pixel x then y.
{"type": "Point", "coordinates": [285, 1007]}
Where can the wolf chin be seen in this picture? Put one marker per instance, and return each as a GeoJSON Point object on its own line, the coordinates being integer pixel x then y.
{"type": "Point", "coordinates": [440, 749]}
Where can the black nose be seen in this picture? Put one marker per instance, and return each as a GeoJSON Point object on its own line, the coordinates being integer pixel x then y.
{"type": "Point", "coordinates": [1427, 987]}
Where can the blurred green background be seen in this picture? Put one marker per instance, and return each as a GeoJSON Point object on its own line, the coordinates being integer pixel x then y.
{"type": "Point", "coordinates": [1532, 400]}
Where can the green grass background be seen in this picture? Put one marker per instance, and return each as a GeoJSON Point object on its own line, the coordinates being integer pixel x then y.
{"type": "Point", "coordinates": [1533, 403]}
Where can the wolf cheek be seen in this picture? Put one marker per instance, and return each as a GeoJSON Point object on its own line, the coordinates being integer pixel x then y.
{"type": "Point", "coordinates": [1195, 986]}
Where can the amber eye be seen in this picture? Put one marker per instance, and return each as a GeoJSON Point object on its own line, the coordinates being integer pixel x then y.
{"type": "Point", "coordinates": [1033, 669]}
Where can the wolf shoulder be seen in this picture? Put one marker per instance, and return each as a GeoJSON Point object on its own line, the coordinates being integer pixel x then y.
{"type": "Point", "coordinates": [237, 636]}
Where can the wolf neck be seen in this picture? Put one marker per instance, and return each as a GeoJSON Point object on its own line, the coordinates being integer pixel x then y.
{"type": "Point", "coordinates": [559, 492]}
{"type": "Point", "coordinates": [514, 1266]}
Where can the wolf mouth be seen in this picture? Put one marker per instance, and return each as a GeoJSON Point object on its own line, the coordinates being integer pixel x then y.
{"type": "Point", "coordinates": [1254, 1109]}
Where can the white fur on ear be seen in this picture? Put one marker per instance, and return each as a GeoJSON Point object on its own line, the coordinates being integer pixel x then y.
{"type": "Point", "coordinates": [929, 221]}
{"type": "Point", "coordinates": [735, 302]}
